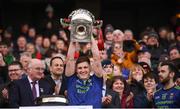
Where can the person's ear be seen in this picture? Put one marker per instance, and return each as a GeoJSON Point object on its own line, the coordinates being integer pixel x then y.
{"type": "Point", "coordinates": [90, 67]}
{"type": "Point", "coordinates": [172, 74]}
{"type": "Point", "coordinates": [29, 69]}
{"type": "Point", "coordinates": [50, 68]}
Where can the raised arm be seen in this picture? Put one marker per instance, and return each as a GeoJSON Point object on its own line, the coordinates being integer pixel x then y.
{"type": "Point", "coordinates": [96, 66]}
{"type": "Point", "coordinates": [70, 64]}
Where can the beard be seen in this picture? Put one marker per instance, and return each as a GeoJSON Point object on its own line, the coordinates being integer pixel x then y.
{"type": "Point", "coordinates": [165, 80]}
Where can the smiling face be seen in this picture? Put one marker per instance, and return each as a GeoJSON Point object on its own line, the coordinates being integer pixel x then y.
{"type": "Point", "coordinates": [4, 49]}
{"type": "Point", "coordinates": [108, 69]}
{"type": "Point", "coordinates": [149, 83]}
{"type": "Point", "coordinates": [109, 36]}
{"type": "Point", "coordinates": [118, 36]}
{"type": "Point", "coordinates": [83, 70]}
{"type": "Point", "coordinates": [14, 72]}
{"type": "Point", "coordinates": [36, 69]}
{"type": "Point", "coordinates": [117, 49]}
{"type": "Point", "coordinates": [118, 86]}
{"type": "Point", "coordinates": [116, 70]}
{"type": "Point", "coordinates": [57, 67]}
{"type": "Point", "coordinates": [137, 74]}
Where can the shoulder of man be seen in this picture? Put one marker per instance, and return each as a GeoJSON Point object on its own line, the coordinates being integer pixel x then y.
{"type": "Point", "coordinates": [19, 81]}
{"type": "Point", "coordinates": [158, 90]}
{"type": "Point", "coordinates": [177, 87]}
{"type": "Point", "coordinates": [48, 79]}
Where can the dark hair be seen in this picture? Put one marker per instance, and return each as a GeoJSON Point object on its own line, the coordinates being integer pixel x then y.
{"type": "Point", "coordinates": [82, 59]}
{"type": "Point", "coordinates": [5, 43]}
{"type": "Point", "coordinates": [150, 75]}
{"type": "Point", "coordinates": [114, 79]}
{"type": "Point", "coordinates": [171, 67]}
{"type": "Point", "coordinates": [60, 38]}
{"type": "Point", "coordinates": [173, 47]}
{"type": "Point", "coordinates": [164, 28]}
{"type": "Point", "coordinates": [108, 28]}
{"type": "Point", "coordinates": [57, 57]}
{"type": "Point", "coordinates": [106, 62]}
{"type": "Point", "coordinates": [145, 66]}
{"type": "Point", "coordinates": [16, 63]}
{"type": "Point", "coordinates": [38, 35]}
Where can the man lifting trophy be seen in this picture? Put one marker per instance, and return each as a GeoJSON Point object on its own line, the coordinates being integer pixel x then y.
{"type": "Point", "coordinates": [81, 23]}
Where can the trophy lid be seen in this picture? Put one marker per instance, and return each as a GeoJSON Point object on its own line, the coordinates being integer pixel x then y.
{"type": "Point", "coordinates": [81, 14]}
{"type": "Point", "coordinates": [52, 100]}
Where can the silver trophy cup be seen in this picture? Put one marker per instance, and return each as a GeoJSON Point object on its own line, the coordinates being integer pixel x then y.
{"type": "Point", "coordinates": [81, 23]}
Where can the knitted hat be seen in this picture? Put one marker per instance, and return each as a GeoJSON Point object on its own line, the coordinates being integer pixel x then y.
{"type": "Point", "coordinates": [153, 34]}
{"type": "Point", "coordinates": [108, 28]}
{"type": "Point", "coordinates": [49, 8]}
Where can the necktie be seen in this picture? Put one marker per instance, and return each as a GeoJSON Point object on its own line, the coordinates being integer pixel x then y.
{"type": "Point", "coordinates": [34, 89]}
{"type": "Point", "coordinates": [57, 87]}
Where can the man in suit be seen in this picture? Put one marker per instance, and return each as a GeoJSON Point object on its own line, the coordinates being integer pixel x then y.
{"type": "Point", "coordinates": [14, 73]}
{"type": "Point", "coordinates": [25, 91]}
{"type": "Point", "coordinates": [57, 77]}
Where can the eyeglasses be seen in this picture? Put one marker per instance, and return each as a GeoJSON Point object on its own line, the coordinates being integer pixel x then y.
{"type": "Point", "coordinates": [14, 70]}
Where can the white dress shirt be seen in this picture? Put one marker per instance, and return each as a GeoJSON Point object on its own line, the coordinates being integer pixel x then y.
{"type": "Point", "coordinates": [36, 86]}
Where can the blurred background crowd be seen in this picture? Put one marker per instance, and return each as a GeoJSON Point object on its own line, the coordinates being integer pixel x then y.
{"type": "Point", "coordinates": [134, 40]}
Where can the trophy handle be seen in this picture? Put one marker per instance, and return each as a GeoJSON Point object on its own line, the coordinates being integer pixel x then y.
{"type": "Point", "coordinates": [65, 22]}
{"type": "Point", "coordinates": [100, 40]}
{"type": "Point", "coordinates": [98, 24]}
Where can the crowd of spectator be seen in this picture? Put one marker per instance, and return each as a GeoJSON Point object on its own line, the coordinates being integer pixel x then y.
{"type": "Point", "coordinates": [119, 72]}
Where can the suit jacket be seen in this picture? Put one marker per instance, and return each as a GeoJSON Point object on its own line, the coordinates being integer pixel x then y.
{"type": "Point", "coordinates": [52, 83]}
{"type": "Point", "coordinates": [20, 93]}
{"type": "Point", "coordinates": [4, 102]}
{"type": "Point", "coordinates": [115, 103]}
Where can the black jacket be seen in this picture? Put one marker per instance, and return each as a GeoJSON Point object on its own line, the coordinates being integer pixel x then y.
{"type": "Point", "coordinates": [3, 101]}
{"type": "Point", "coordinates": [136, 87]}
{"type": "Point", "coordinates": [115, 99]}
{"type": "Point", "coordinates": [141, 101]}
{"type": "Point", "coordinates": [49, 79]}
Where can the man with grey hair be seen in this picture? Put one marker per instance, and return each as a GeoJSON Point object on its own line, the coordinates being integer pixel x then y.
{"type": "Point", "coordinates": [118, 35]}
{"type": "Point", "coordinates": [25, 58]}
{"type": "Point", "coordinates": [25, 91]}
{"type": "Point", "coordinates": [128, 34]}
